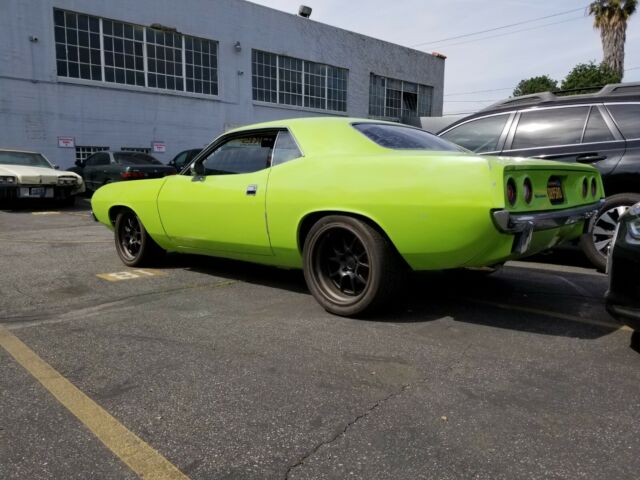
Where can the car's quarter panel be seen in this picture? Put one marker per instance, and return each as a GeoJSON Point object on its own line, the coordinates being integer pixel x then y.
{"type": "Point", "coordinates": [216, 213]}
{"type": "Point", "coordinates": [139, 196]}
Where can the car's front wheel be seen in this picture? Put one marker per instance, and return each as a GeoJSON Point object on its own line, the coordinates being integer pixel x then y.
{"type": "Point", "coordinates": [596, 243]}
{"type": "Point", "coordinates": [134, 245]}
{"type": "Point", "coordinates": [350, 268]}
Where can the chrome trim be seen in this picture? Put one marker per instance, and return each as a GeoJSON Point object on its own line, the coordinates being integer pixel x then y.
{"type": "Point", "coordinates": [507, 222]}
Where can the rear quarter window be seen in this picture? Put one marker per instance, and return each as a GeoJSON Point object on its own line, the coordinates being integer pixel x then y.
{"type": "Point", "coordinates": [398, 137]}
{"type": "Point", "coordinates": [627, 117]}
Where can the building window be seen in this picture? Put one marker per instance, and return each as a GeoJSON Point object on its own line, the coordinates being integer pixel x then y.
{"type": "Point", "coordinates": [292, 81]}
{"type": "Point", "coordinates": [83, 152]}
{"type": "Point", "coordinates": [397, 100]}
{"type": "Point", "coordinates": [136, 149]}
{"type": "Point", "coordinates": [94, 48]}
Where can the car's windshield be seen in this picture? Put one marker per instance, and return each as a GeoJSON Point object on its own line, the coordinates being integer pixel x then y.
{"type": "Point", "coordinates": [135, 159]}
{"type": "Point", "coordinates": [399, 137]}
{"type": "Point", "coordinates": [24, 158]}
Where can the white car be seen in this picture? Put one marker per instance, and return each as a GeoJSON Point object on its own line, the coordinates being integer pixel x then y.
{"type": "Point", "coordinates": [30, 175]}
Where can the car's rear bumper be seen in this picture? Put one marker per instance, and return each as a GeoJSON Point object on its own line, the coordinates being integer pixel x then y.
{"type": "Point", "coordinates": [524, 224]}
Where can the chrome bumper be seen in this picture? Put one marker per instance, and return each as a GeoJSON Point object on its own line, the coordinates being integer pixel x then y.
{"type": "Point", "coordinates": [524, 224]}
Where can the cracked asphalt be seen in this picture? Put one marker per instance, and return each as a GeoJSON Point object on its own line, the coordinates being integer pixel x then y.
{"type": "Point", "coordinates": [233, 371]}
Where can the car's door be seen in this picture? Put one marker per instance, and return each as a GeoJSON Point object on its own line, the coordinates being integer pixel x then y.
{"type": "Point", "coordinates": [573, 133]}
{"type": "Point", "coordinates": [95, 169]}
{"type": "Point", "coordinates": [219, 205]}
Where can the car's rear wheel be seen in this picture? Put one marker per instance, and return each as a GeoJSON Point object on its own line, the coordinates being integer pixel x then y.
{"type": "Point", "coordinates": [134, 245]}
{"type": "Point", "coordinates": [350, 268]}
{"type": "Point", "coordinates": [596, 243]}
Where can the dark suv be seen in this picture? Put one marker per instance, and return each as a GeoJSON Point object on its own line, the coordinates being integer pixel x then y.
{"type": "Point", "coordinates": [602, 129]}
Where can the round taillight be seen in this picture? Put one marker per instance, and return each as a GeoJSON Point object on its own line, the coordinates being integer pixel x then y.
{"type": "Point", "coordinates": [594, 187]}
{"type": "Point", "coordinates": [512, 192]}
{"type": "Point", "coordinates": [527, 190]}
{"type": "Point", "coordinates": [585, 188]}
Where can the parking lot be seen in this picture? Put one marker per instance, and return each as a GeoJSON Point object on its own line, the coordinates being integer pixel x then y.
{"type": "Point", "coordinates": [222, 370]}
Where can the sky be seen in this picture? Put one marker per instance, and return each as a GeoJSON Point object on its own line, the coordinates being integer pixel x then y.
{"type": "Point", "coordinates": [489, 61]}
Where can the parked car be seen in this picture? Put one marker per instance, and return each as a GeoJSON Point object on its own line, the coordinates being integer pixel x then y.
{"type": "Point", "coordinates": [623, 296]}
{"type": "Point", "coordinates": [183, 159]}
{"type": "Point", "coordinates": [601, 129]}
{"type": "Point", "coordinates": [109, 166]}
{"type": "Point", "coordinates": [29, 175]}
{"type": "Point", "coordinates": [351, 202]}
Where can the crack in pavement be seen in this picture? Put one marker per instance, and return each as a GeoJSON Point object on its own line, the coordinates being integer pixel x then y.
{"type": "Point", "coordinates": [366, 413]}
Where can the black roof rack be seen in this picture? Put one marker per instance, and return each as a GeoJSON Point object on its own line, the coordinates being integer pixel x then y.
{"type": "Point", "coordinates": [613, 89]}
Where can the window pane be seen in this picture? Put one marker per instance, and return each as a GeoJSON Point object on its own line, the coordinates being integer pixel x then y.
{"type": "Point", "coordinates": [264, 75]}
{"type": "Point", "coordinates": [290, 71]}
{"type": "Point", "coordinates": [558, 126]}
{"type": "Point", "coordinates": [597, 130]}
{"type": "Point", "coordinates": [241, 155]}
{"type": "Point", "coordinates": [286, 149]}
{"type": "Point", "coordinates": [164, 60]}
{"type": "Point", "coordinates": [628, 119]}
{"type": "Point", "coordinates": [480, 135]}
{"type": "Point", "coordinates": [403, 138]}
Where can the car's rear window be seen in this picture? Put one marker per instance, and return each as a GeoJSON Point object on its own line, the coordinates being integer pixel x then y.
{"type": "Point", "coordinates": [135, 159]}
{"type": "Point", "coordinates": [399, 137]}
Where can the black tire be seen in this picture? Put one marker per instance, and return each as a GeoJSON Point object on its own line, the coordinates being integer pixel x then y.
{"type": "Point", "coordinates": [596, 242]}
{"type": "Point", "coordinates": [134, 245]}
{"type": "Point", "coordinates": [350, 268]}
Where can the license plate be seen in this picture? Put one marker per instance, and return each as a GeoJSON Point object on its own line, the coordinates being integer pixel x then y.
{"type": "Point", "coordinates": [554, 190]}
{"type": "Point", "coordinates": [36, 192]}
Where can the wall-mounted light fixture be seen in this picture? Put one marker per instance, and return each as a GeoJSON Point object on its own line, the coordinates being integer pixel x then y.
{"type": "Point", "coordinates": [304, 11]}
{"type": "Point", "coordinates": [33, 38]}
{"type": "Point", "coordinates": [238, 46]}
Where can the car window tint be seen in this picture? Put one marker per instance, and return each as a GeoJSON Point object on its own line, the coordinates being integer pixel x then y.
{"type": "Point", "coordinates": [481, 135]}
{"type": "Point", "coordinates": [403, 138]}
{"type": "Point", "coordinates": [127, 158]}
{"type": "Point", "coordinates": [286, 149]}
{"type": "Point", "coordinates": [98, 159]}
{"type": "Point", "coordinates": [549, 127]}
{"type": "Point", "coordinates": [180, 159]}
{"type": "Point", "coordinates": [628, 119]}
{"type": "Point", "coordinates": [597, 129]}
{"type": "Point", "coordinates": [241, 155]}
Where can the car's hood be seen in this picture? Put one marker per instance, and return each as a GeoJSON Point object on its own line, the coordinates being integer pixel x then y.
{"type": "Point", "coordinates": [37, 175]}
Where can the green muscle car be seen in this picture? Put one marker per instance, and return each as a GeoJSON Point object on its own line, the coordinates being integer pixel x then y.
{"type": "Point", "coordinates": [354, 203]}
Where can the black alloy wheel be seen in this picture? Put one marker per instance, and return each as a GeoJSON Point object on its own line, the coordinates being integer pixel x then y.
{"type": "Point", "coordinates": [349, 266]}
{"type": "Point", "coordinates": [134, 245]}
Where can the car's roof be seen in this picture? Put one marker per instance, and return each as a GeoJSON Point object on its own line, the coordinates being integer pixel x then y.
{"type": "Point", "coordinates": [17, 151]}
{"type": "Point", "coordinates": [311, 121]}
{"type": "Point", "coordinates": [622, 92]}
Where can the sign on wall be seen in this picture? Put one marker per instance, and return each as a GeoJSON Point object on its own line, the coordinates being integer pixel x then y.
{"type": "Point", "coordinates": [159, 147]}
{"type": "Point", "coordinates": [66, 142]}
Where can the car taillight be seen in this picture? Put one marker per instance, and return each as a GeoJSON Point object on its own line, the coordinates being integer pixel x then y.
{"type": "Point", "coordinates": [594, 187]}
{"type": "Point", "coordinates": [527, 190]}
{"type": "Point", "coordinates": [512, 193]}
{"type": "Point", "coordinates": [585, 188]}
{"type": "Point", "coordinates": [131, 175]}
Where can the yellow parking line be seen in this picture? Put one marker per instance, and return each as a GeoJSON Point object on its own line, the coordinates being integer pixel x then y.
{"type": "Point", "coordinates": [549, 313]}
{"type": "Point", "coordinates": [131, 449]}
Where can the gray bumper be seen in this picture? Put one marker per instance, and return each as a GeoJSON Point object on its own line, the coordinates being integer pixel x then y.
{"type": "Point", "coordinates": [524, 224]}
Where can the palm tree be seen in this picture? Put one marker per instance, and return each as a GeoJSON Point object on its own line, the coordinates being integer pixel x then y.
{"type": "Point", "coordinates": [610, 18]}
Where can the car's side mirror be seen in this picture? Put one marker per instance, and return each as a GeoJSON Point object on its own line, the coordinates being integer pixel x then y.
{"type": "Point", "coordinates": [197, 168]}
{"type": "Point", "coordinates": [56, 167]}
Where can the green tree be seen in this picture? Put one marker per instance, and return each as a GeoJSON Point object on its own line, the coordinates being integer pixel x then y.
{"type": "Point", "coordinates": [542, 83]}
{"type": "Point", "coordinates": [610, 17]}
{"type": "Point", "coordinates": [588, 76]}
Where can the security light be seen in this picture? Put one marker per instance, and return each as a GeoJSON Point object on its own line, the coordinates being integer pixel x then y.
{"type": "Point", "coordinates": [304, 11]}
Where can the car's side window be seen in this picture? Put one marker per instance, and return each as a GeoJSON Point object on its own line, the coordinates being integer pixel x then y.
{"type": "Point", "coordinates": [626, 116]}
{"type": "Point", "coordinates": [286, 149]}
{"type": "Point", "coordinates": [98, 159]}
{"type": "Point", "coordinates": [243, 154]}
{"type": "Point", "coordinates": [481, 135]}
{"type": "Point", "coordinates": [180, 160]}
{"type": "Point", "coordinates": [597, 129]}
{"type": "Point", "coordinates": [550, 127]}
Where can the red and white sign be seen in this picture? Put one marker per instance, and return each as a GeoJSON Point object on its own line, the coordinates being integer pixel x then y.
{"type": "Point", "coordinates": [66, 142]}
{"type": "Point", "coordinates": [158, 147]}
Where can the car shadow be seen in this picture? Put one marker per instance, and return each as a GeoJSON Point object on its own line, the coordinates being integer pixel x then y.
{"type": "Point", "coordinates": [532, 301]}
{"type": "Point", "coordinates": [32, 205]}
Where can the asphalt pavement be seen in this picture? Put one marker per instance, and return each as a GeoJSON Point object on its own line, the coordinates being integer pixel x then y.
{"type": "Point", "coordinates": [225, 370]}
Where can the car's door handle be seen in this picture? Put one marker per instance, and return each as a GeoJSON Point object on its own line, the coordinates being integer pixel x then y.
{"type": "Point", "coordinates": [252, 189]}
{"type": "Point", "coordinates": [590, 158]}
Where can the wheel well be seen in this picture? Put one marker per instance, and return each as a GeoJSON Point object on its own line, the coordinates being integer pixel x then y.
{"type": "Point", "coordinates": [308, 222]}
{"type": "Point", "coordinates": [114, 211]}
